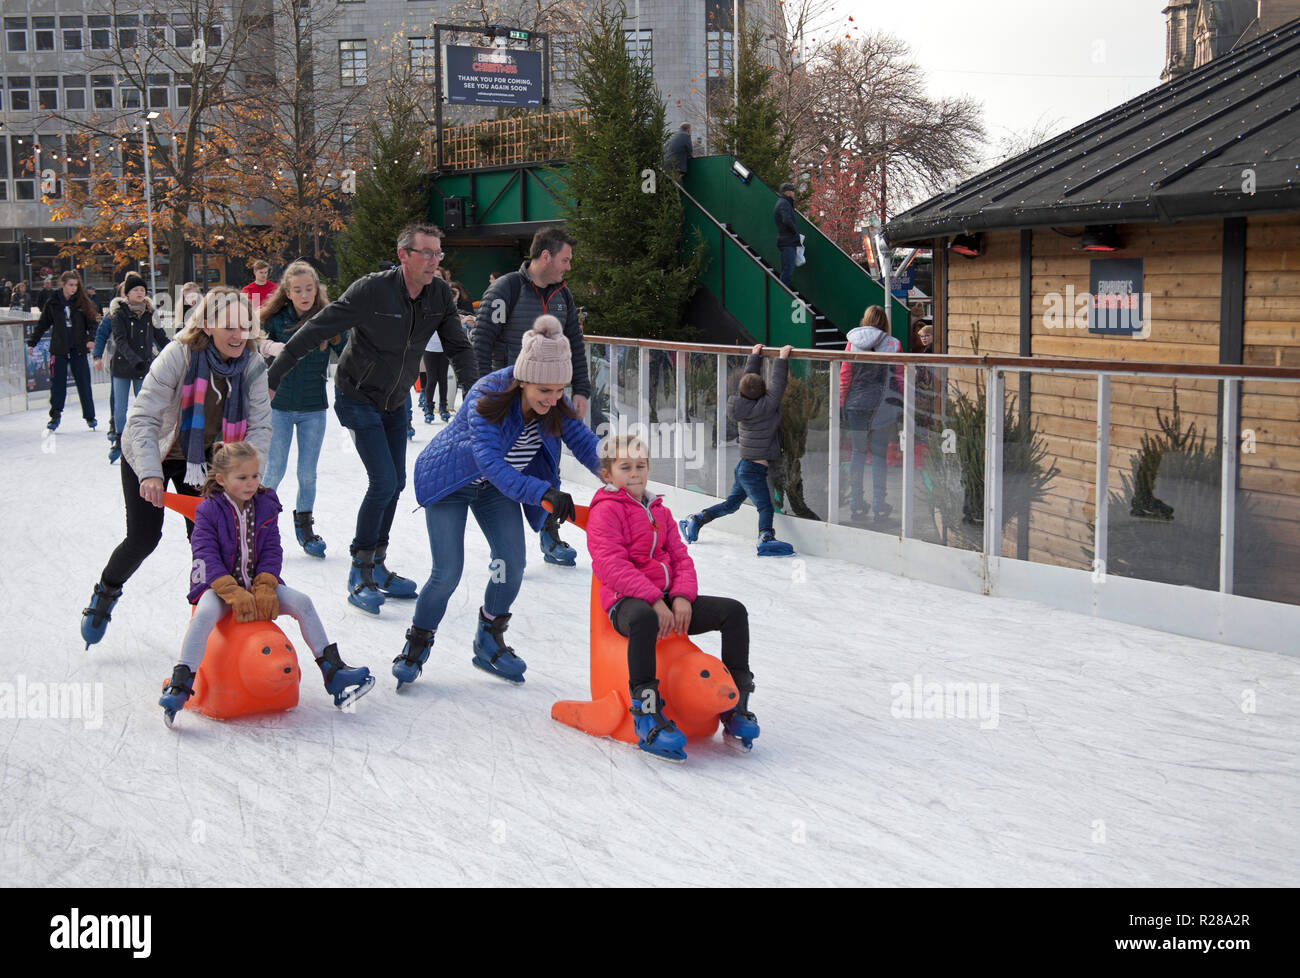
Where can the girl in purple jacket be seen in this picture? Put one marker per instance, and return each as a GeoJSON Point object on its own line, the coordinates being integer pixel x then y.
{"type": "Point", "coordinates": [237, 558]}
{"type": "Point", "coordinates": [649, 591]}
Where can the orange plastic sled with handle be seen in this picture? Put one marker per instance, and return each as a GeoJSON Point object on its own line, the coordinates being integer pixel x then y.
{"type": "Point", "coordinates": [247, 668]}
{"type": "Point", "coordinates": [696, 687]}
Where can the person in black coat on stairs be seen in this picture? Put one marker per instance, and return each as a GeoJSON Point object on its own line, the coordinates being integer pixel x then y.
{"type": "Point", "coordinates": [787, 231]}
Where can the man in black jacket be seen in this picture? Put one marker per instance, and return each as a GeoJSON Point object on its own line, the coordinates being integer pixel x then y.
{"type": "Point", "coordinates": [509, 308]}
{"type": "Point", "coordinates": [787, 231]}
{"type": "Point", "coordinates": [391, 316]}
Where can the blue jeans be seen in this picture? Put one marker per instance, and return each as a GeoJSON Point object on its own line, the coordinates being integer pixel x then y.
{"type": "Point", "coordinates": [80, 368]}
{"type": "Point", "coordinates": [751, 481]}
{"type": "Point", "coordinates": [311, 434]}
{"type": "Point", "coordinates": [121, 392]}
{"type": "Point", "coordinates": [502, 521]}
{"type": "Point", "coordinates": [862, 435]}
{"type": "Point", "coordinates": [380, 437]}
{"type": "Point", "coordinates": [787, 264]}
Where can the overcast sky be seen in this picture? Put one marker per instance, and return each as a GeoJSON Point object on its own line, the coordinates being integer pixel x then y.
{"type": "Point", "coordinates": [1055, 61]}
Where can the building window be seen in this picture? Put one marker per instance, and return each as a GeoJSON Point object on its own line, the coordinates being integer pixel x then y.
{"type": "Point", "coordinates": [78, 163]}
{"type": "Point", "coordinates": [47, 91]}
{"type": "Point", "coordinates": [422, 57]}
{"type": "Point", "coordinates": [183, 96]}
{"type": "Point", "coordinates": [212, 35]}
{"type": "Point", "coordinates": [130, 97]}
{"type": "Point", "coordinates": [182, 30]}
{"type": "Point", "coordinates": [101, 37]}
{"type": "Point", "coordinates": [101, 91]}
{"type": "Point", "coordinates": [20, 148]}
{"type": "Point", "coordinates": [128, 33]}
{"type": "Point", "coordinates": [352, 63]}
{"type": "Point", "coordinates": [43, 33]}
{"type": "Point", "coordinates": [159, 86]}
{"type": "Point", "coordinates": [155, 32]}
{"type": "Point", "coordinates": [74, 91]}
{"type": "Point", "coordinates": [50, 156]}
{"type": "Point", "coordinates": [638, 45]}
{"type": "Point", "coordinates": [71, 27]}
{"type": "Point", "coordinates": [718, 53]}
{"type": "Point", "coordinates": [15, 34]}
{"type": "Point", "coordinates": [20, 93]}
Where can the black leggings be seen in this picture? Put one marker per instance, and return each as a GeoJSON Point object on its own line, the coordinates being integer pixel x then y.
{"type": "Point", "coordinates": [144, 522]}
{"type": "Point", "coordinates": [637, 620]}
{"type": "Point", "coordinates": [435, 376]}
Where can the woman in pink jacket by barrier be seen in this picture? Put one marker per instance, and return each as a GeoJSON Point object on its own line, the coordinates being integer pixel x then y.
{"type": "Point", "coordinates": [649, 591]}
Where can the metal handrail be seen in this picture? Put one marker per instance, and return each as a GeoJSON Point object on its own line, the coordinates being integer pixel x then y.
{"type": "Point", "coordinates": [1015, 364]}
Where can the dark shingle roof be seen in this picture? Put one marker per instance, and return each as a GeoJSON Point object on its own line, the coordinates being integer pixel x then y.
{"type": "Point", "coordinates": [1176, 153]}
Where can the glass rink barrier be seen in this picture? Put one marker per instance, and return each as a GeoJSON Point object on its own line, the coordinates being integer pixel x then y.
{"type": "Point", "coordinates": [1099, 487]}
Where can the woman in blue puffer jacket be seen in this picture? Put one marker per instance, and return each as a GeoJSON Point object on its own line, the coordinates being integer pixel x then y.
{"type": "Point", "coordinates": [500, 454]}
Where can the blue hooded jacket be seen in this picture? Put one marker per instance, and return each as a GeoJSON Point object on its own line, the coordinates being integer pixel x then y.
{"type": "Point", "coordinates": [472, 447]}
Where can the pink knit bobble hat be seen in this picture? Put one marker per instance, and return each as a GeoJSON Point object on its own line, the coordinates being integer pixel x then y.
{"type": "Point", "coordinates": [544, 356]}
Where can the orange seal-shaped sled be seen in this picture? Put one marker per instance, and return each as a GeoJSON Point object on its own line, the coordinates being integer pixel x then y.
{"type": "Point", "coordinates": [247, 668]}
{"type": "Point", "coordinates": [696, 687]}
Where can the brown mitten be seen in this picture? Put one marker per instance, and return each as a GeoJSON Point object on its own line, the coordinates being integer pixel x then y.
{"type": "Point", "coordinates": [241, 602]}
{"type": "Point", "coordinates": [268, 605]}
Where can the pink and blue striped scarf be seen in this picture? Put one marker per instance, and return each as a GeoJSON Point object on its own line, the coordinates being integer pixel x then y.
{"type": "Point", "coordinates": [198, 378]}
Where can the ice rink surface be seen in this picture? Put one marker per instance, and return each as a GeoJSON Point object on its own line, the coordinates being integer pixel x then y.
{"type": "Point", "coordinates": [1079, 751]}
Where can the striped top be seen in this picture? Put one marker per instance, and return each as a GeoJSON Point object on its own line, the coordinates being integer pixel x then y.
{"type": "Point", "coordinates": [522, 451]}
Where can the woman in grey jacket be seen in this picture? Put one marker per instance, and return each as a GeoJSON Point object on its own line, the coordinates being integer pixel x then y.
{"type": "Point", "coordinates": [207, 386]}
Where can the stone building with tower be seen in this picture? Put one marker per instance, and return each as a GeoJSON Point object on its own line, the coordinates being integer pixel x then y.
{"type": "Point", "coordinates": [1198, 31]}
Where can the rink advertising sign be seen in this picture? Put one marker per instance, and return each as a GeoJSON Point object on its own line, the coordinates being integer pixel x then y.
{"type": "Point", "coordinates": [491, 76]}
{"type": "Point", "coordinates": [1115, 304]}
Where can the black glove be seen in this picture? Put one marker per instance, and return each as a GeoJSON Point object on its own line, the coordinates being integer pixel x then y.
{"type": "Point", "coordinates": [561, 504]}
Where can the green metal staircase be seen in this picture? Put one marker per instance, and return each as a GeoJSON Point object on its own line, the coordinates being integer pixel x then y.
{"type": "Point", "coordinates": [734, 218]}
{"type": "Point", "coordinates": [733, 221]}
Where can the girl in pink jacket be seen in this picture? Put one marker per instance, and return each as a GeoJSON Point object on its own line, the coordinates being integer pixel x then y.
{"type": "Point", "coordinates": [648, 589]}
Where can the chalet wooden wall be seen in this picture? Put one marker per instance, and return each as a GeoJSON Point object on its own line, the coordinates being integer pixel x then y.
{"type": "Point", "coordinates": [1182, 269]}
{"type": "Point", "coordinates": [1270, 413]}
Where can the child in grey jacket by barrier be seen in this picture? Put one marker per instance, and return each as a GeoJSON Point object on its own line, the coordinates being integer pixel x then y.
{"type": "Point", "coordinates": [756, 409]}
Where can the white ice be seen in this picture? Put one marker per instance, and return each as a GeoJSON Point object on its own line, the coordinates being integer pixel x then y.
{"type": "Point", "coordinates": [1120, 756]}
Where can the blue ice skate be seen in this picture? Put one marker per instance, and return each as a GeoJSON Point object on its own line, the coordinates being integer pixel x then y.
{"type": "Point", "coordinates": [739, 726]}
{"type": "Point", "coordinates": [415, 653]}
{"type": "Point", "coordinates": [391, 585]}
{"type": "Point", "coordinates": [555, 550]}
{"type": "Point", "coordinates": [491, 654]}
{"type": "Point", "coordinates": [176, 691]}
{"type": "Point", "coordinates": [770, 546]}
{"type": "Point", "coordinates": [362, 589]}
{"type": "Point", "coordinates": [655, 734]}
{"type": "Point", "coordinates": [95, 619]}
{"type": "Point", "coordinates": [307, 539]}
{"type": "Point", "coordinates": [344, 683]}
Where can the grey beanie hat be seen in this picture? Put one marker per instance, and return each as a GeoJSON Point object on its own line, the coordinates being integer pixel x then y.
{"type": "Point", "coordinates": [545, 356]}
